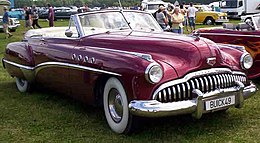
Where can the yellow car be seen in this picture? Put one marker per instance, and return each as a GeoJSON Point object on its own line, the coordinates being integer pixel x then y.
{"type": "Point", "coordinates": [205, 16]}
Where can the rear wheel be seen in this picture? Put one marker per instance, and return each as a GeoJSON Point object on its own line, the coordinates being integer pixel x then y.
{"type": "Point", "coordinates": [209, 21]}
{"type": "Point", "coordinates": [22, 85]}
{"type": "Point", "coordinates": [116, 106]}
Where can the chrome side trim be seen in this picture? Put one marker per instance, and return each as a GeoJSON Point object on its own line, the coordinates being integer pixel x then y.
{"type": "Point", "coordinates": [18, 65]}
{"type": "Point", "coordinates": [195, 74]}
{"type": "Point", "coordinates": [41, 66]}
{"type": "Point", "coordinates": [225, 34]}
{"type": "Point", "coordinates": [147, 57]}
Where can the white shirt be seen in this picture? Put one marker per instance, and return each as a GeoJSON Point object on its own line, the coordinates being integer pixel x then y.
{"type": "Point", "coordinates": [192, 11]}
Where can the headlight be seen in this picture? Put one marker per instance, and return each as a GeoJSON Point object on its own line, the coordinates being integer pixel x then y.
{"type": "Point", "coordinates": [246, 61]}
{"type": "Point", "coordinates": [154, 73]}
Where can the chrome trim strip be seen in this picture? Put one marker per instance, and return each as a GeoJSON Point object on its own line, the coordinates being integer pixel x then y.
{"type": "Point", "coordinates": [147, 57]}
{"type": "Point", "coordinates": [183, 90]}
{"type": "Point", "coordinates": [211, 84]}
{"type": "Point", "coordinates": [225, 34]}
{"type": "Point", "coordinates": [195, 74]}
{"type": "Point", "coordinates": [174, 93]}
{"type": "Point", "coordinates": [18, 65]}
{"type": "Point", "coordinates": [202, 84]}
{"type": "Point", "coordinates": [160, 96]}
{"type": "Point", "coordinates": [41, 66]}
{"type": "Point", "coordinates": [215, 82]}
{"type": "Point", "coordinates": [170, 94]}
{"type": "Point", "coordinates": [207, 84]}
{"type": "Point", "coordinates": [188, 85]}
{"type": "Point", "coordinates": [179, 91]}
{"type": "Point", "coordinates": [164, 95]}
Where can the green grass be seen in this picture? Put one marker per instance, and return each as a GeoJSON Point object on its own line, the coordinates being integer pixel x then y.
{"type": "Point", "coordinates": [45, 116]}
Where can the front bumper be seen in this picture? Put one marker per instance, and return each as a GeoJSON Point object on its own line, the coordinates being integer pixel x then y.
{"type": "Point", "coordinates": [196, 107]}
{"type": "Point", "coordinates": [222, 20]}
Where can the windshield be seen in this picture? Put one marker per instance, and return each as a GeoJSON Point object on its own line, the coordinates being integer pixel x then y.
{"type": "Point", "coordinates": [229, 4]}
{"type": "Point", "coordinates": [256, 20]}
{"type": "Point", "coordinates": [142, 21]}
{"type": "Point", "coordinates": [103, 21]}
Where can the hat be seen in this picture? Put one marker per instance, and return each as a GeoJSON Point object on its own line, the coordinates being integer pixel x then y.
{"type": "Point", "coordinates": [5, 8]}
{"type": "Point", "coordinates": [162, 7]}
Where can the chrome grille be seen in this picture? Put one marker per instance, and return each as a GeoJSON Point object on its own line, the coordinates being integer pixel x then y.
{"type": "Point", "coordinates": [205, 83]}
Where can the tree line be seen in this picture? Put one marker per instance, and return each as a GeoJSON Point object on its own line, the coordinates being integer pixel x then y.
{"type": "Point", "coordinates": [93, 3]}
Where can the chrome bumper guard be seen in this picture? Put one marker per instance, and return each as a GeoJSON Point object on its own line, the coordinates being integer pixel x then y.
{"type": "Point", "coordinates": [222, 20]}
{"type": "Point", "coordinates": [196, 106]}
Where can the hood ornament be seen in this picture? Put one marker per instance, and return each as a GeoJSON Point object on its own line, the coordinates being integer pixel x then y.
{"type": "Point", "coordinates": [211, 61]}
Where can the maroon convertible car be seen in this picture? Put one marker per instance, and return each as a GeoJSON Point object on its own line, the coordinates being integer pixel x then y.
{"type": "Point", "coordinates": [124, 61]}
{"type": "Point", "coordinates": [243, 34]}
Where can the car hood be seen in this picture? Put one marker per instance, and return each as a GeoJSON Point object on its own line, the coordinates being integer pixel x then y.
{"type": "Point", "coordinates": [183, 53]}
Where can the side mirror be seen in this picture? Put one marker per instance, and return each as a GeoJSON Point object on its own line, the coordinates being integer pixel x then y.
{"type": "Point", "coordinates": [68, 33]}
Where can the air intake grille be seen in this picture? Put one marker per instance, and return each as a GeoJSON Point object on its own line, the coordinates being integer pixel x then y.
{"type": "Point", "coordinates": [205, 83]}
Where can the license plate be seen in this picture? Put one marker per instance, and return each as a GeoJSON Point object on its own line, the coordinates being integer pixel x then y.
{"type": "Point", "coordinates": [220, 102]}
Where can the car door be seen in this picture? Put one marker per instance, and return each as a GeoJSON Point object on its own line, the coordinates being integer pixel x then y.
{"type": "Point", "coordinates": [200, 15]}
{"type": "Point", "coordinates": [51, 57]}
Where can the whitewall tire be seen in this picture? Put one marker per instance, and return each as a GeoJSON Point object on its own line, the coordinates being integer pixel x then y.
{"type": "Point", "coordinates": [116, 106]}
{"type": "Point", "coordinates": [22, 85]}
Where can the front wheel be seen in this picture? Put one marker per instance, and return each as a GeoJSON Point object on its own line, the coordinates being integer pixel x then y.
{"type": "Point", "coordinates": [116, 106]}
{"type": "Point", "coordinates": [209, 21]}
{"type": "Point", "coordinates": [22, 85]}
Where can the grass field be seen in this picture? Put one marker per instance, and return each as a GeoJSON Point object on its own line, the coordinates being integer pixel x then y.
{"type": "Point", "coordinates": [45, 116]}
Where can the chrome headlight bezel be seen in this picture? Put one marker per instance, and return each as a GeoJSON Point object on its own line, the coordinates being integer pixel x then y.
{"type": "Point", "coordinates": [246, 61]}
{"type": "Point", "coordinates": [151, 68]}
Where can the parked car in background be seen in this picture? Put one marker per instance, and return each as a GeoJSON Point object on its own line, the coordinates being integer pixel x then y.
{"type": "Point", "coordinates": [244, 34]}
{"type": "Point", "coordinates": [16, 13]}
{"type": "Point", "coordinates": [204, 15]}
{"type": "Point", "coordinates": [59, 13]}
{"type": "Point", "coordinates": [124, 61]}
{"type": "Point", "coordinates": [14, 24]}
{"type": "Point", "coordinates": [151, 6]}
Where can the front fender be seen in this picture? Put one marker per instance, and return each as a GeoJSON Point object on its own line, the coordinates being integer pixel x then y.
{"type": "Point", "coordinates": [19, 53]}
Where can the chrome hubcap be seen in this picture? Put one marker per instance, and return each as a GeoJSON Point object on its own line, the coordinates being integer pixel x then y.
{"type": "Point", "coordinates": [209, 22]}
{"type": "Point", "coordinates": [115, 105]}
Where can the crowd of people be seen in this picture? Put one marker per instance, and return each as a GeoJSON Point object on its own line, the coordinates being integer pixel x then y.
{"type": "Point", "coordinates": [31, 18]}
{"type": "Point", "coordinates": [172, 18]}
{"type": "Point", "coordinates": [175, 18]}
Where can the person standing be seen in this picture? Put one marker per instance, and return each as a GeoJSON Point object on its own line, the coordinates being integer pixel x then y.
{"type": "Point", "coordinates": [161, 18]}
{"type": "Point", "coordinates": [27, 18]}
{"type": "Point", "coordinates": [170, 10]}
{"type": "Point", "coordinates": [184, 13]}
{"type": "Point", "coordinates": [51, 15]}
{"type": "Point", "coordinates": [6, 23]}
{"type": "Point", "coordinates": [35, 17]}
{"type": "Point", "coordinates": [191, 15]}
{"type": "Point", "coordinates": [177, 20]}
{"type": "Point", "coordinates": [86, 8]}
